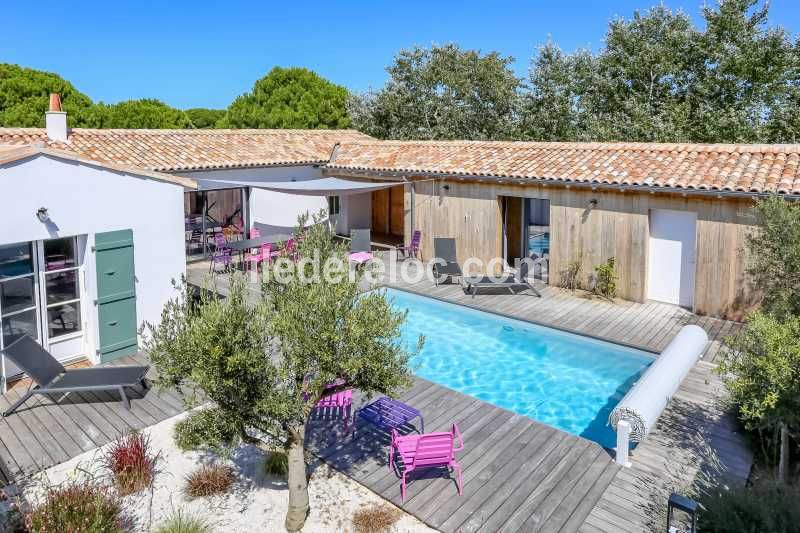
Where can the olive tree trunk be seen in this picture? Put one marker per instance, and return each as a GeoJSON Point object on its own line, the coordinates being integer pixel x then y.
{"type": "Point", "coordinates": [783, 462]}
{"type": "Point", "coordinates": [298, 483]}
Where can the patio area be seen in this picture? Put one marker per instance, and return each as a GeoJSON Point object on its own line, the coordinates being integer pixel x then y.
{"type": "Point", "coordinates": [43, 433]}
{"type": "Point", "coordinates": [521, 475]}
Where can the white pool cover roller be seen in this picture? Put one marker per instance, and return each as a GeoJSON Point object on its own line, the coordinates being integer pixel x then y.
{"type": "Point", "coordinates": [644, 403]}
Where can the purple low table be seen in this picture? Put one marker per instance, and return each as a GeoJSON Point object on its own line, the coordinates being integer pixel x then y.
{"type": "Point", "coordinates": [388, 414]}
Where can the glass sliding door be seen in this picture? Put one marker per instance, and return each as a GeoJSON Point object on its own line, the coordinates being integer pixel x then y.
{"type": "Point", "coordinates": [537, 235]}
{"type": "Point", "coordinates": [209, 212]}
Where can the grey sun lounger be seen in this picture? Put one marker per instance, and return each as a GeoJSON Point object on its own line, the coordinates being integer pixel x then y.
{"type": "Point", "coordinates": [472, 283]}
{"type": "Point", "coordinates": [445, 263]}
{"type": "Point", "coordinates": [52, 378]}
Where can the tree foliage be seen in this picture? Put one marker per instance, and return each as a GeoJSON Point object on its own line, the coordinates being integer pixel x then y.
{"type": "Point", "coordinates": [203, 118]}
{"type": "Point", "coordinates": [774, 248]}
{"type": "Point", "coordinates": [265, 363]}
{"type": "Point", "coordinates": [659, 78]}
{"type": "Point", "coordinates": [442, 92]}
{"type": "Point", "coordinates": [25, 96]}
{"type": "Point", "coordinates": [290, 98]}
{"type": "Point", "coordinates": [143, 113]}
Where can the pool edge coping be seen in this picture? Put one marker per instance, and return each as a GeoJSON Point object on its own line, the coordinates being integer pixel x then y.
{"type": "Point", "coordinates": [534, 322]}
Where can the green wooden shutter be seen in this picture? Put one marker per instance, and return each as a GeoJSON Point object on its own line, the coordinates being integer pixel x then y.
{"type": "Point", "coordinates": [116, 294]}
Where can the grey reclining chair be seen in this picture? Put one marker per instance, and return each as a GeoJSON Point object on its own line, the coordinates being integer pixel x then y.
{"type": "Point", "coordinates": [445, 261]}
{"type": "Point", "coordinates": [51, 377]}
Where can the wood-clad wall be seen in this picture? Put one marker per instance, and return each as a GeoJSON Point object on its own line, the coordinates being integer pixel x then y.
{"type": "Point", "coordinates": [617, 226]}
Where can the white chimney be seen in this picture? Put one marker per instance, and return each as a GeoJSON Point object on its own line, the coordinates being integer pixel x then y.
{"type": "Point", "coordinates": [56, 120]}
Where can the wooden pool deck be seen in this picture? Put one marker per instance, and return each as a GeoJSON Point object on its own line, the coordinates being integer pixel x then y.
{"type": "Point", "coordinates": [43, 433]}
{"type": "Point", "coordinates": [521, 475]}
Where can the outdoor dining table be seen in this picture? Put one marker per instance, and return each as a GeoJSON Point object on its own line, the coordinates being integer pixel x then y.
{"type": "Point", "coordinates": [248, 244]}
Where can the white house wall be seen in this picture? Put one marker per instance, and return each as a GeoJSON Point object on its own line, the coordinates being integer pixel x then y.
{"type": "Point", "coordinates": [355, 212]}
{"type": "Point", "coordinates": [278, 211]}
{"type": "Point", "coordinates": [84, 200]}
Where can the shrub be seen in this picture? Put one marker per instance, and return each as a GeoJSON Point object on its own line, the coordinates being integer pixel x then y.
{"type": "Point", "coordinates": [183, 523]}
{"type": "Point", "coordinates": [276, 464]}
{"type": "Point", "coordinates": [131, 463]}
{"type": "Point", "coordinates": [606, 279]}
{"type": "Point", "coordinates": [375, 519]}
{"type": "Point", "coordinates": [80, 506]}
{"type": "Point", "coordinates": [571, 276]}
{"type": "Point", "coordinates": [766, 507]}
{"type": "Point", "coordinates": [202, 429]}
{"type": "Point", "coordinates": [209, 480]}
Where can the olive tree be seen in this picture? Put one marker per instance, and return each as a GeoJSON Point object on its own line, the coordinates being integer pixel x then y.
{"type": "Point", "coordinates": [262, 361]}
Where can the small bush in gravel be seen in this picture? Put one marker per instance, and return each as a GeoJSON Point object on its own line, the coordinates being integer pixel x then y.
{"type": "Point", "coordinates": [375, 519]}
{"type": "Point", "coordinates": [183, 523]}
{"type": "Point", "coordinates": [209, 480]}
{"type": "Point", "coordinates": [131, 463]}
{"type": "Point", "coordinates": [79, 506]}
{"type": "Point", "coordinates": [202, 429]}
{"type": "Point", "coordinates": [276, 464]}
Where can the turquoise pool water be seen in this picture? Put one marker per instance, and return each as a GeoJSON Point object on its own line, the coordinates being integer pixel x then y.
{"type": "Point", "coordinates": [568, 381]}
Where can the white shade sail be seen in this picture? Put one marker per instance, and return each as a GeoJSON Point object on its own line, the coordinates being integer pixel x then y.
{"type": "Point", "coordinates": [313, 187]}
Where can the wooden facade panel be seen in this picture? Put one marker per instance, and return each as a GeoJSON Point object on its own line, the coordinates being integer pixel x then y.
{"type": "Point", "coordinates": [396, 210]}
{"type": "Point", "coordinates": [618, 226]}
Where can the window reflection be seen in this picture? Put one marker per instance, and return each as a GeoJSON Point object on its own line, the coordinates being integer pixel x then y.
{"type": "Point", "coordinates": [62, 286]}
{"type": "Point", "coordinates": [63, 319]}
{"type": "Point", "coordinates": [59, 253]}
{"type": "Point", "coordinates": [17, 294]}
{"type": "Point", "coordinates": [15, 325]}
{"type": "Point", "coordinates": [16, 260]}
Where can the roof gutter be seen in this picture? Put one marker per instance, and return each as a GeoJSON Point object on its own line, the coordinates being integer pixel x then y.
{"type": "Point", "coordinates": [561, 183]}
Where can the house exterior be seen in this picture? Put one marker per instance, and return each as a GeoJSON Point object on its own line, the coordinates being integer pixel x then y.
{"type": "Point", "coordinates": [87, 252]}
{"type": "Point", "coordinates": [674, 216]}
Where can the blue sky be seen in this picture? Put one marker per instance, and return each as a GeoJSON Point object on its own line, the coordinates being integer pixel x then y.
{"type": "Point", "coordinates": [206, 52]}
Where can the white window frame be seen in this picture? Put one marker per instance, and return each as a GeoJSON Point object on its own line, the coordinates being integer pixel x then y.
{"type": "Point", "coordinates": [78, 269]}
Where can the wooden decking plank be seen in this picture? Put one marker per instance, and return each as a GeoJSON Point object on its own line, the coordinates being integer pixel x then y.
{"type": "Point", "coordinates": [572, 457]}
{"type": "Point", "coordinates": [31, 433]}
{"type": "Point", "coordinates": [62, 434]}
{"type": "Point", "coordinates": [470, 515]}
{"type": "Point", "coordinates": [492, 501]}
{"type": "Point", "coordinates": [574, 508]}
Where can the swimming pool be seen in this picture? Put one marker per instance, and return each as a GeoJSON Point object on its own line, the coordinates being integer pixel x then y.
{"type": "Point", "coordinates": [565, 380]}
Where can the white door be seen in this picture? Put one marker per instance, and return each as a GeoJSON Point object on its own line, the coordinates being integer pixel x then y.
{"type": "Point", "coordinates": [671, 262]}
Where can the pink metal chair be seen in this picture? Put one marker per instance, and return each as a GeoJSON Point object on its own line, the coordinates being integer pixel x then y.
{"type": "Point", "coordinates": [290, 249]}
{"type": "Point", "coordinates": [429, 450]}
{"type": "Point", "coordinates": [412, 250]}
{"type": "Point", "coordinates": [262, 254]}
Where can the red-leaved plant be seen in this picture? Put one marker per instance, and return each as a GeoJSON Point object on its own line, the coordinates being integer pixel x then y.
{"type": "Point", "coordinates": [131, 463]}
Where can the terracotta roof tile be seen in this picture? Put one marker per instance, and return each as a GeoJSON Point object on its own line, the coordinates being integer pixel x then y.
{"type": "Point", "coordinates": [183, 150]}
{"type": "Point", "coordinates": [756, 168]}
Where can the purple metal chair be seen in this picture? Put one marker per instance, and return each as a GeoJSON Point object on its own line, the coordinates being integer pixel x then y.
{"type": "Point", "coordinates": [431, 450]}
{"type": "Point", "coordinates": [412, 250]}
{"type": "Point", "coordinates": [221, 254]}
